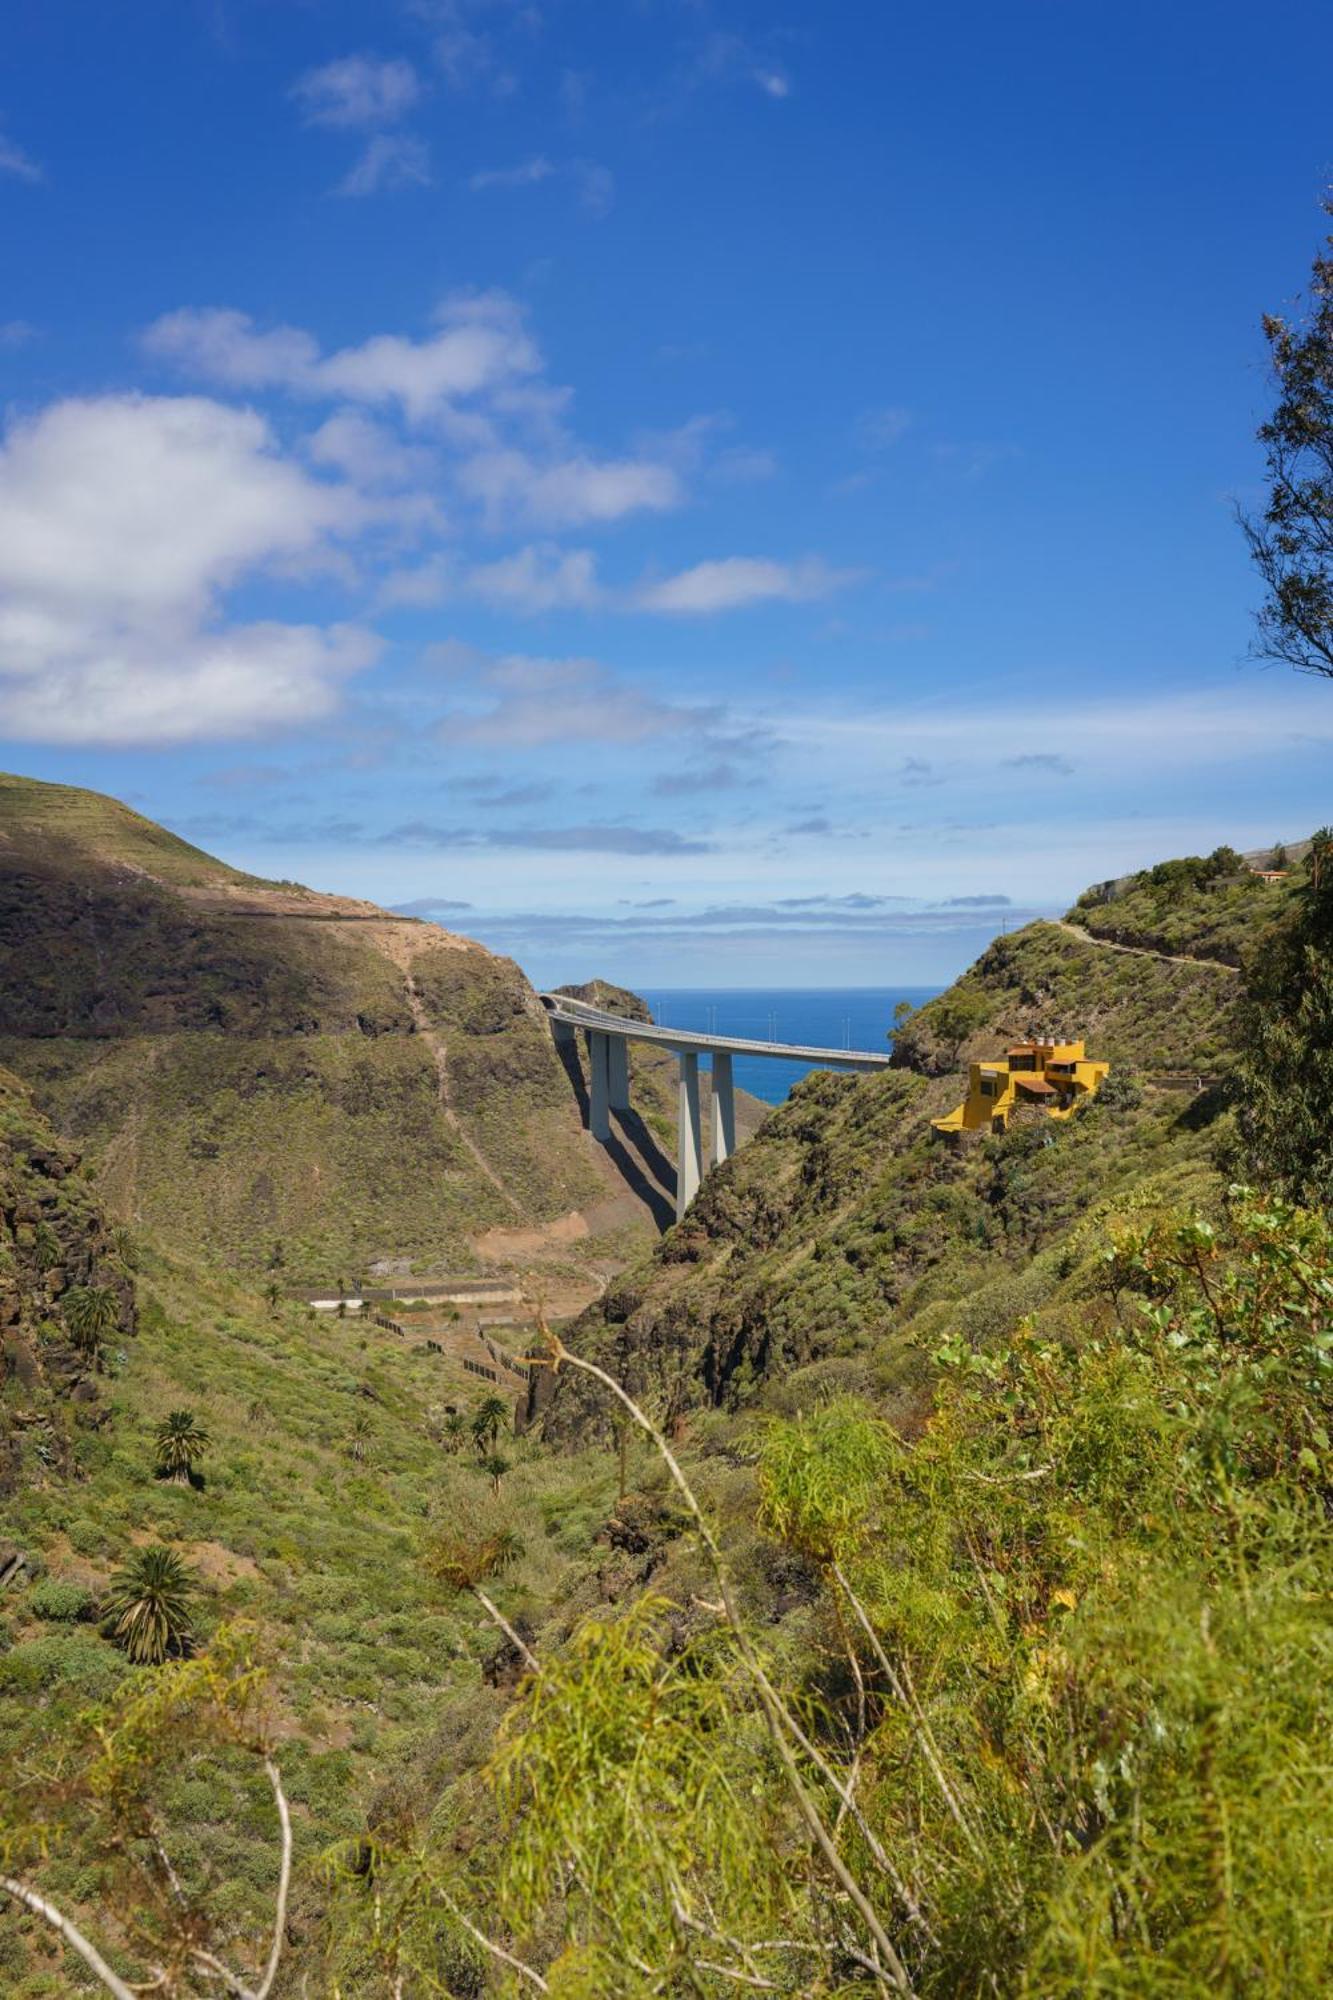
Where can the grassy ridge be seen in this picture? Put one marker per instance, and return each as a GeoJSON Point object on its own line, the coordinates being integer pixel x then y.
{"type": "Point", "coordinates": [249, 1061]}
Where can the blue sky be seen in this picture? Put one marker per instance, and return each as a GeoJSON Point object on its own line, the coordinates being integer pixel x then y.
{"type": "Point", "coordinates": [691, 491]}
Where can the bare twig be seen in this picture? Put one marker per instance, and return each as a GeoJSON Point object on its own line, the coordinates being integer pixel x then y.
{"type": "Point", "coordinates": [73, 1937]}
{"type": "Point", "coordinates": [205, 1962]}
{"type": "Point", "coordinates": [488, 1944]}
{"type": "Point", "coordinates": [284, 1881]}
{"type": "Point", "coordinates": [493, 1610]}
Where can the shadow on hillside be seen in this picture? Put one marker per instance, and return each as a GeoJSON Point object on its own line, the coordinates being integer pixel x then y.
{"type": "Point", "coordinates": [660, 1204]}
{"type": "Point", "coordinates": [659, 1166]}
{"type": "Point", "coordinates": [658, 1195]}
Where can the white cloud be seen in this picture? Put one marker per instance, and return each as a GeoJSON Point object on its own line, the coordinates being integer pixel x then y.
{"type": "Point", "coordinates": [527, 174]}
{"type": "Point", "coordinates": [595, 185]}
{"type": "Point", "coordinates": [538, 578]}
{"type": "Point", "coordinates": [358, 91]}
{"type": "Point", "coordinates": [123, 522]}
{"type": "Point", "coordinates": [390, 160]}
{"type": "Point", "coordinates": [734, 581]}
{"type": "Point", "coordinates": [13, 160]}
{"type": "Point", "coordinates": [570, 492]}
{"type": "Point", "coordinates": [368, 453]}
{"type": "Point", "coordinates": [541, 577]}
{"type": "Point", "coordinates": [773, 83]}
{"type": "Point", "coordinates": [477, 383]}
{"type": "Point", "coordinates": [481, 345]}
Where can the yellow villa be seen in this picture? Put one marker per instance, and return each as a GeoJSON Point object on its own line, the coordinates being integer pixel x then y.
{"type": "Point", "coordinates": [1054, 1077]}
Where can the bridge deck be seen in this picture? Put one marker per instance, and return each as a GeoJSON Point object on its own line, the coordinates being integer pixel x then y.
{"type": "Point", "coordinates": [578, 1014]}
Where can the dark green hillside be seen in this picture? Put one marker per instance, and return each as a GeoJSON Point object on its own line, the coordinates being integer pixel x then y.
{"type": "Point", "coordinates": [58, 1261]}
{"type": "Point", "coordinates": [848, 1234]}
{"type": "Point", "coordinates": [251, 1063]}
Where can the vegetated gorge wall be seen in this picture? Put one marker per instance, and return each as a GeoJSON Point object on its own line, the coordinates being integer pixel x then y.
{"type": "Point", "coordinates": [54, 1239]}
{"type": "Point", "coordinates": [849, 1235]}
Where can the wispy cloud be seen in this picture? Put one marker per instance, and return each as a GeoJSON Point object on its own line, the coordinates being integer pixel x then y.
{"type": "Point", "coordinates": [14, 161]}
{"type": "Point", "coordinates": [1049, 761]}
{"type": "Point", "coordinates": [358, 91]}
{"type": "Point", "coordinates": [528, 173]}
{"type": "Point", "coordinates": [735, 581]}
{"type": "Point", "coordinates": [476, 383]}
{"type": "Point", "coordinates": [599, 838]}
{"type": "Point", "coordinates": [879, 429]}
{"type": "Point", "coordinates": [390, 160]}
{"type": "Point", "coordinates": [699, 783]}
{"type": "Point", "coordinates": [522, 702]}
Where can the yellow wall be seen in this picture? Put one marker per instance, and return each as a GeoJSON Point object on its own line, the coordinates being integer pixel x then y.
{"type": "Point", "coordinates": [1082, 1078]}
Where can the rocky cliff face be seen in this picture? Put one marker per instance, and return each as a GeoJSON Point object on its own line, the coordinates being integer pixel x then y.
{"type": "Point", "coordinates": [55, 1246]}
{"type": "Point", "coordinates": [273, 1076]}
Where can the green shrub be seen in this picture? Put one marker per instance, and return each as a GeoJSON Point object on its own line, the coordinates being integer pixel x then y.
{"type": "Point", "coordinates": [63, 1601]}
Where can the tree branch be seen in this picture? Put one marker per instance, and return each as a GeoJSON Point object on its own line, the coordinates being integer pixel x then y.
{"type": "Point", "coordinates": [284, 1881]}
{"type": "Point", "coordinates": [73, 1937]}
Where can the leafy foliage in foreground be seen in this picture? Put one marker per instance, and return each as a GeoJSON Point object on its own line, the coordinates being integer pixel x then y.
{"type": "Point", "coordinates": [1063, 1704]}
{"type": "Point", "coordinates": [1286, 1073]}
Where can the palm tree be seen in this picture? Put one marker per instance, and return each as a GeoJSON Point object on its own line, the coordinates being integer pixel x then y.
{"type": "Point", "coordinates": [148, 1601]}
{"type": "Point", "coordinates": [490, 1413]}
{"type": "Point", "coordinates": [92, 1314]}
{"type": "Point", "coordinates": [362, 1432]}
{"type": "Point", "coordinates": [181, 1442]}
{"type": "Point", "coordinates": [495, 1468]}
{"type": "Point", "coordinates": [453, 1430]}
{"type": "Point", "coordinates": [273, 1293]}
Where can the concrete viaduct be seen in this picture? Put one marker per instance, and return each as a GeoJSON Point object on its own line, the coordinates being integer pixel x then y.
{"type": "Point", "coordinates": [608, 1037]}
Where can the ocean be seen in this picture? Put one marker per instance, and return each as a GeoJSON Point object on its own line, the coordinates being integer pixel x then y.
{"type": "Point", "coordinates": [838, 1017]}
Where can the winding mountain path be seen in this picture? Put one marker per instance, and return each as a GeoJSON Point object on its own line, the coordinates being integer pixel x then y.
{"type": "Point", "coordinates": [400, 955]}
{"type": "Point", "coordinates": [1141, 950]}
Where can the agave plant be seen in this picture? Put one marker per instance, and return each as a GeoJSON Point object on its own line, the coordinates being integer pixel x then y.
{"type": "Point", "coordinates": [148, 1603]}
{"type": "Point", "coordinates": [181, 1443]}
{"type": "Point", "coordinates": [92, 1314]}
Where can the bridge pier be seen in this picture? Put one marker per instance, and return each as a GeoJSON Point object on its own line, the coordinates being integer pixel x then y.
{"type": "Point", "coordinates": [689, 1145]}
{"type": "Point", "coordinates": [724, 1108]}
{"type": "Point", "coordinates": [618, 1072]}
{"type": "Point", "coordinates": [599, 1086]}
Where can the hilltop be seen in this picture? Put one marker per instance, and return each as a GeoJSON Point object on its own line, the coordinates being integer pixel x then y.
{"type": "Point", "coordinates": [275, 1077]}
